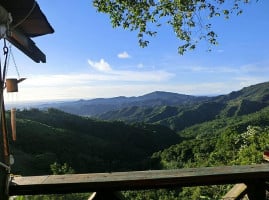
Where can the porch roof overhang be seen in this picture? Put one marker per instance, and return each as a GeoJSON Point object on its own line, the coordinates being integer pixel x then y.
{"type": "Point", "coordinates": [27, 21]}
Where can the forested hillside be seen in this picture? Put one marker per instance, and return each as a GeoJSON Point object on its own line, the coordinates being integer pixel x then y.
{"type": "Point", "coordinates": [237, 140]}
{"type": "Point", "coordinates": [45, 137]}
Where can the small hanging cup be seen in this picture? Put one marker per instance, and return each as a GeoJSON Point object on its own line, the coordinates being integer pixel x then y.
{"type": "Point", "coordinates": [12, 84]}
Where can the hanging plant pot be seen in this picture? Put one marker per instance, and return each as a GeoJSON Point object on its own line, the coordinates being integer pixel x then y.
{"type": "Point", "coordinates": [12, 85]}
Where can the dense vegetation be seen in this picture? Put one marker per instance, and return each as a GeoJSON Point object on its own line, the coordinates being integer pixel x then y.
{"type": "Point", "coordinates": [87, 145]}
{"type": "Point", "coordinates": [237, 140]}
{"type": "Point", "coordinates": [54, 141]}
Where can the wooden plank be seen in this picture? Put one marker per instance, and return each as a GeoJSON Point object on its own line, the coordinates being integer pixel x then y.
{"type": "Point", "coordinates": [237, 192]}
{"type": "Point", "coordinates": [136, 180]}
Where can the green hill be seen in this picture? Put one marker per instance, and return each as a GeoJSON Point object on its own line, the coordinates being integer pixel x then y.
{"type": "Point", "coordinates": [237, 140]}
{"type": "Point", "coordinates": [258, 92]}
{"type": "Point", "coordinates": [87, 145]}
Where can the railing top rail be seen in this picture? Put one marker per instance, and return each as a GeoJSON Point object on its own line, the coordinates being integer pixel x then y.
{"type": "Point", "coordinates": [136, 180]}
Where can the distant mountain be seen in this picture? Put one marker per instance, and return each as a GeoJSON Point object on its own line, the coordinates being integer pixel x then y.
{"type": "Point", "coordinates": [248, 100]}
{"type": "Point", "coordinates": [98, 106]}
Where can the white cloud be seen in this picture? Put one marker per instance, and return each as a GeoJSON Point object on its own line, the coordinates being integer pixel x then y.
{"type": "Point", "coordinates": [213, 69]}
{"type": "Point", "coordinates": [140, 65]}
{"type": "Point", "coordinates": [127, 75]}
{"type": "Point", "coordinates": [102, 65]}
{"type": "Point", "coordinates": [70, 80]}
{"type": "Point", "coordinates": [248, 68]}
{"type": "Point", "coordinates": [123, 55]}
{"type": "Point", "coordinates": [142, 76]}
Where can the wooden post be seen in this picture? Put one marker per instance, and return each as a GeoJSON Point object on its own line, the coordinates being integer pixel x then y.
{"type": "Point", "coordinates": [256, 190]}
{"type": "Point", "coordinates": [4, 159]}
{"type": "Point", "coordinates": [4, 148]}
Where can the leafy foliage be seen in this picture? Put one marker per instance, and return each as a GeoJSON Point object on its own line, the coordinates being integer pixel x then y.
{"type": "Point", "coordinates": [57, 168]}
{"type": "Point", "coordinates": [184, 16]}
{"type": "Point", "coordinates": [237, 140]}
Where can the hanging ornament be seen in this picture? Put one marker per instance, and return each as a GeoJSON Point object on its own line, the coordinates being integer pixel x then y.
{"type": "Point", "coordinates": [12, 84]}
{"type": "Point", "coordinates": [13, 123]}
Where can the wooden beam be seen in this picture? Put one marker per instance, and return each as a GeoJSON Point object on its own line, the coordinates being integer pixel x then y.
{"type": "Point", "coordinates": [136, 180]}
{"type": "Point", "coordinates": [27, 46]}
{"type": "Point", "coordinates": [237, 192]}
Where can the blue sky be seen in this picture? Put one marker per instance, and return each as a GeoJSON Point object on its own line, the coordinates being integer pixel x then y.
{"type": "Point", "coordinates": [87, 58]}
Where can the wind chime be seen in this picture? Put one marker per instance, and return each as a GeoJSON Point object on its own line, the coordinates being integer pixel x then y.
{"type": "Point", "coordinates": [11, 85]}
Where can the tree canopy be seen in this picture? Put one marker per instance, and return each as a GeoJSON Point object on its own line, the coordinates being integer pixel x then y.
{"type": "Point", "coordinates": [188, 18]}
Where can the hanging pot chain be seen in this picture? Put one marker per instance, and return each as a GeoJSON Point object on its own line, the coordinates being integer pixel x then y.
{"type": "Point", "coordinates": [14, 62]}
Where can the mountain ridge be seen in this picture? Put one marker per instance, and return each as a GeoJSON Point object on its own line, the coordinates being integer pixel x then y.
{"type": "Point", "coordinates": [170, 109]}
{"type": "Point", "coordinates": [245, 101]}
{"type": "Point", "coordinates": [97, 106]}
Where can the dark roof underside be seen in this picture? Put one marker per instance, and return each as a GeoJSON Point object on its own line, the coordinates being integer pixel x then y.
{"type": "Point", "coordinates": [28, 21]}
{"type": "Point", "coordinates": [27, 17]}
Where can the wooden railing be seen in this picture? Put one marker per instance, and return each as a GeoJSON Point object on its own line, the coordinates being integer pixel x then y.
{"type": "Point", "coordinates": [253, 176]}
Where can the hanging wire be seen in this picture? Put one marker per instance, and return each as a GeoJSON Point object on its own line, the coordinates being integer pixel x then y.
{"type": "Point", "coordinates": [14, 62]}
